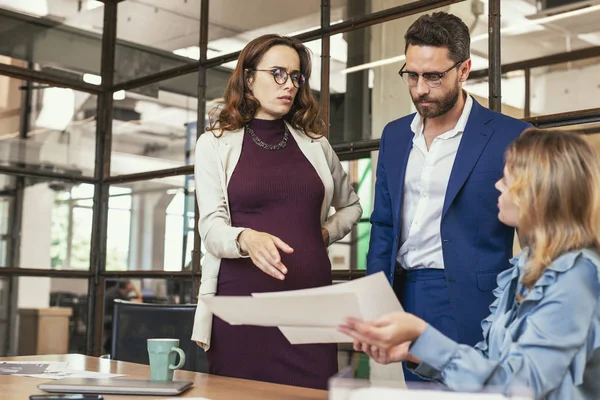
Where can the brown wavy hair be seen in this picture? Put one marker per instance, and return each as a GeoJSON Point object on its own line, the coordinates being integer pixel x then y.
{"type": "Point", "coordinates": [557, 189]}
{"type": "Point", "coordinates": [240, 105]}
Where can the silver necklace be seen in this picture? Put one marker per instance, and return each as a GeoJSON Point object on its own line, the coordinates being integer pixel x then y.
{"type": "Point", "coordinates": [271, 147]}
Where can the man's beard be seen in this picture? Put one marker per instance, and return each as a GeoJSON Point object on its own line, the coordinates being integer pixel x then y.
{"type": "Point", "coordinates": [437, 107]}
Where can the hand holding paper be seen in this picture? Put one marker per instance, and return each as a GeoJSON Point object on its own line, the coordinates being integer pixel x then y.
{"type": "Point", "coordinates": [310, 315]}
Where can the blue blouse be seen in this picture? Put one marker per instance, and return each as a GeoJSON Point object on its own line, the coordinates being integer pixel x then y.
{"type": "Point", "coordinates": [548, 343]}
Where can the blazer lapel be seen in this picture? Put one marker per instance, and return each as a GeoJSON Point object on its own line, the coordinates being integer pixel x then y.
{"type": "Point", "coordinates": [230, 149]}
{"type": "Point", "coordinates": [312, 151]}
{"type": "Point", "coordinates": [475, 137]}
{"type": "Point", "coordinates": [406, 144]}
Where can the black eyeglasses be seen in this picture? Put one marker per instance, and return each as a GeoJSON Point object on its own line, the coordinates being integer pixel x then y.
{"type": "Point", "coordinates": [280, 76]}
{"type": "Point", "coordinates": [433, 79]}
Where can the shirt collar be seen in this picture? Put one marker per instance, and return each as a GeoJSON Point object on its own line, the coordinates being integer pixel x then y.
{"type": "Point", "coordinates": [417, 123]}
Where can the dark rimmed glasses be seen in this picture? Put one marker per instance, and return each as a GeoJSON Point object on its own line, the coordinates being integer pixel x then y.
{"type": "Point", "coordinates": [280, 75]}
{"type": "Point", "coordinates": [433, 79]}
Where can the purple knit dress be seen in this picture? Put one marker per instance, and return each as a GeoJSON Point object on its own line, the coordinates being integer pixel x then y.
{"type": "Point", "coordinates": [278, 192]}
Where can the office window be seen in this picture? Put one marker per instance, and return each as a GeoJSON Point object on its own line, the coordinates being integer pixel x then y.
{"type": "Point", "coordinates": [72, 227]}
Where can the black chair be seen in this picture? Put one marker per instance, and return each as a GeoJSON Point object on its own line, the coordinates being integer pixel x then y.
{"type": "Point", "coordinates": [135, 323]}
{"type": "Point", "coordinates": [77, 320]}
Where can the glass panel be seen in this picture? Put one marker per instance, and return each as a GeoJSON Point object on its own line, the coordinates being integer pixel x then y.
{"type": "Point", "coordinates": [513, 93]}
{"type": "Point", "coordinates": [229, 32]}
{"type": "Point", "coordinates": [565, 87]}
{"type": "Point", "coordinates": [156, 130]}
{"type": "Point", "coordinates": [315, 78]}
{"type": "Point", "coordinates": [342, 10]}
{"type": "Point", "coordinates": [149, 33]}
{"type": "Point", "coordinates": [217, 82]}
{"type": "Point", "coordinates": [4, 322]}
{"type": "Point", "coordinates": [7, 185]}
{"type": "Point", "coordinates": [61, 37]}
{"type": "Point", "coordinates": [73, 294]}
{"type": "Point", "coordinates": [71, 227]}
{"type": "Point", "coordinates": [152, 225]}
{"type": "Point", "coordinates": [351, 251]}
{"type": "Point", "coordinates": [11, 106]}
{"type": "Point", "coordinates": [52, 292]}
{"type": "Point", "coordinates": [62, 130]}
{"type": "Point", "coordinates": [366, 91]}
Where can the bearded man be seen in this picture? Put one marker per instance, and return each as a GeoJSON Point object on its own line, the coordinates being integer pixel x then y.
{"type": "Point", "coordinates": [435, 231]}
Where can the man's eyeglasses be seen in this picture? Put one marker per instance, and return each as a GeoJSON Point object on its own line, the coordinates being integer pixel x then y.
{"type": "Point", "coordinates": [280, 76]}
{"type": "Point", "coordinates": [433, 79]}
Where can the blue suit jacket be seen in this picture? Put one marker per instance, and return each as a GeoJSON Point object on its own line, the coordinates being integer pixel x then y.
{"type": "Point", "coordinates": [476, 245]}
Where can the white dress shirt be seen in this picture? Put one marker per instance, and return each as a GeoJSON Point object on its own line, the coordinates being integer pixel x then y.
{"type": "Point", "coordinates": [425, 183]}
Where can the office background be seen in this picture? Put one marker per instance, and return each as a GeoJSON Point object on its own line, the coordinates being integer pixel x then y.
{"type": "Point", "coordinates": [101, 104]}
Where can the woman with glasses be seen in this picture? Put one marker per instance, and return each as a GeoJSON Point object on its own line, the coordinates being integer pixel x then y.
{"type": "Point", "coordinates": [543, 332]}
{"type": "Point", "coordinates": [266, 179]}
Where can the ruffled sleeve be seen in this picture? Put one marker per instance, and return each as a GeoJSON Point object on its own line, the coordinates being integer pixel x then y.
{"type": "Point", "coordinates": [504, 280]}
{"type": "Point", "coordinates": [425, 370]}
{"type": "Point", "coordinates": [556, 329]}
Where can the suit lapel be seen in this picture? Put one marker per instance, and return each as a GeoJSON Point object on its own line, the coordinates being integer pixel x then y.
{"type": "Point", "coordinates": [475, 137]}
{"type": "Point", "coordinates": [406, 144]}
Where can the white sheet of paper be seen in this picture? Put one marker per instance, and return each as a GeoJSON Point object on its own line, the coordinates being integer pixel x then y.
{"type": "Point", "coordinates": [394, 394]}
{"type": "Point", "coordinates": [376, 298]}
{"type": "Point", "coordinates": [320, 310]}
{"type": "Point", "coordinates": [53, 366]}
{"type": "Point", "coordinates": [188, 398]}
{"type": "Point", "coordinates": [72, 373]}
{"type": "Point", "coordinates": [310, 335]}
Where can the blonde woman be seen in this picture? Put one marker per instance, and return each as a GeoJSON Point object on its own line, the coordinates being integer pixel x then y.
{"type": "Point", "coordinates": [544, 329]}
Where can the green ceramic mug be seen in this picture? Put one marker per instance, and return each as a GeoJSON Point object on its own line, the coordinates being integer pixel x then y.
{"type": "Point", "coordinates": [162, 354]}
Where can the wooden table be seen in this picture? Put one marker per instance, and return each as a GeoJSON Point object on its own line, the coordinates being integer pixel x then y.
{"type": "Point", "coordinates": [209, 386]}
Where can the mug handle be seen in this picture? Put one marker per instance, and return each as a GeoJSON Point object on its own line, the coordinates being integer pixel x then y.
{"type": "Point", "coordinates": [181, 358]}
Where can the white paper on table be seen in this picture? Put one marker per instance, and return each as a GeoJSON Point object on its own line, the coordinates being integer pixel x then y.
{"type": "Point", "coordinates": [376, 298]}
{"type": "Point", "coordinates": [394, 394]}
{"type": "Point", "coordinates": [319, 310]}
{"type": "Point", "coordinates": [51, 365]}
{"type": "Point", "coordinates": [72, 373]}
{"type": "Point", "coordinates": [188, 398]}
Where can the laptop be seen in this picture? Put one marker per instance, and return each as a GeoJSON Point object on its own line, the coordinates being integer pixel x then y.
{"type": "Point", "coordinates": [115, 386]}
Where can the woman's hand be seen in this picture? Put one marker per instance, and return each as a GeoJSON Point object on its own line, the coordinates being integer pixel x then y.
{"type": "Point", "coordinates": [394, 354]}
{"type": "Point", "coordinates": [387, 332]}
{"type": "Point", "coordinates": [325, 234]}
{"type": "Point", "coordinates": [263, 251]}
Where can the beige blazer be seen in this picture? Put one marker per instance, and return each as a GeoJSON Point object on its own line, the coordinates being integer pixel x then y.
{"type": "Point", "coordinates": [216, 159]}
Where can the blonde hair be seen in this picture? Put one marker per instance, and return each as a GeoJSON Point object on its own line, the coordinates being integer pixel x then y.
{"type": "Point", "coordinates": [557, 189]}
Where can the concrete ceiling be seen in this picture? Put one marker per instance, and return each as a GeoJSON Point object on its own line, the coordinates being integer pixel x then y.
{"type": "Point", "coordinates": [174, 24]}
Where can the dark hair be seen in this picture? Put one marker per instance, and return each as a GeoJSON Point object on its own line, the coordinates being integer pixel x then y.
{"type": "Point", "coordinates": [240, 105]}
{"type": "Point", "coordinates": [123, 284]}
{"type": "Point", "coordinates": [441, 29]}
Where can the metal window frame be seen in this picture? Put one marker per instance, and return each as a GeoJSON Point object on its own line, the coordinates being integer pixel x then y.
{"type": "Point", "coordinates": [97, 274]}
